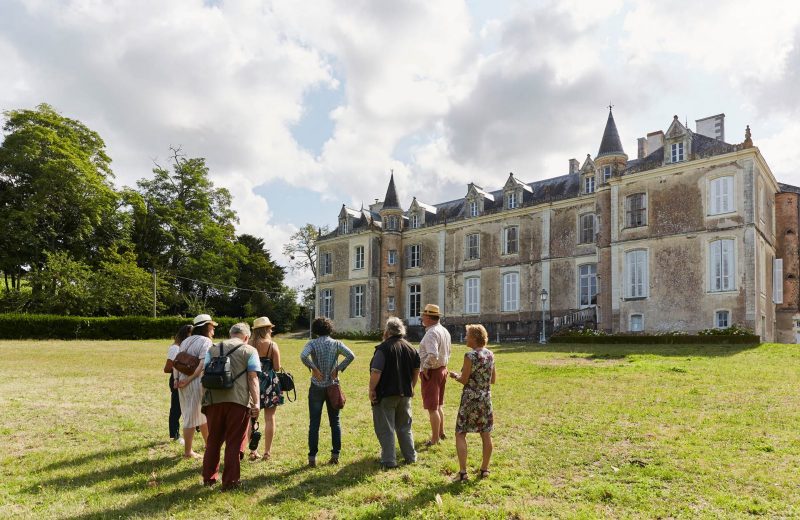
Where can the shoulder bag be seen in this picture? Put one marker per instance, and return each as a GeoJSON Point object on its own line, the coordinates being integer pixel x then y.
{"type": "Point", "coordinates": [335, 396]}
{"type": "Point", "coordinates": [186, 363]}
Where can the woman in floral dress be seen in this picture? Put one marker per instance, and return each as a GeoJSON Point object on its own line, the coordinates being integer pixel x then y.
{"type": "Point", "coordinates": [475, 413]}
{"type": "Point", "coordinates": [269, 388]}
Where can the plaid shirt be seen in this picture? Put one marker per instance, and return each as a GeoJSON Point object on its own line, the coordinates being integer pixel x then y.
{"type": "Point", "coordinates": [321, 353]}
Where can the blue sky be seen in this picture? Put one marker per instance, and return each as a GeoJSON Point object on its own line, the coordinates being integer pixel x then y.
{"type": "Point", "coordinates": [302, 107]}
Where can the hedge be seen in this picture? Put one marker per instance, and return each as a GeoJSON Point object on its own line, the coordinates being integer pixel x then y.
{"type": "Point", "coordinates": [617, 339]}
{"type": "Point", "coordinates": [44, 326]}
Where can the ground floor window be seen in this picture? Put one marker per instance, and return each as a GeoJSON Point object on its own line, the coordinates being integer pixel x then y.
{"type": "Point", "coordinates": [587, 284]}
{"type": "Point", "coordinates": [637, 323]}
{"type": "Point", "coordinates": [722, 319]}
{"type": "Point", "coordinates": [326, 303]}
{"type": "Point", "coordinates": [414, 300]}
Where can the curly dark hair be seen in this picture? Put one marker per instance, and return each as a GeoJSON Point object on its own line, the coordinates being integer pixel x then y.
{"type": "Point", "coordinates": [322, 326]}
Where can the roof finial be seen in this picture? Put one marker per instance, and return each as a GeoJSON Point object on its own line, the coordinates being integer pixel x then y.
{"type": "Point", "coordinates": [610, 106]}
{"type": "Point", "coordinates": [748, 140]}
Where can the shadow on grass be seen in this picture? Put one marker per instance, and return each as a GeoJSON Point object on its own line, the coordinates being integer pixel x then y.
{"type": "Point", "coordinates": [608, 351]}
{"type": "Point", "coordinates": [97, 455]}
{"type": "Point", "coordinates": [425, 497]}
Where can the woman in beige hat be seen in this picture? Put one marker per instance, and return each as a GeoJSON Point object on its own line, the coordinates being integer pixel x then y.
{"type": "Point", "coordinates": [271, 396]}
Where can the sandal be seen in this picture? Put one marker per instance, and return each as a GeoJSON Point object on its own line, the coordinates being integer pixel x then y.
{"type": "Point", "coordinates": [430, 443]}
{"type": "Point", "coordinates": [254, 456]}
{"type": "Point", "coordinates": [266, 456]}
{"type": "Point", "coordinates": [484, 473]}
{"type": "Point", "coordinates": [462, 476]}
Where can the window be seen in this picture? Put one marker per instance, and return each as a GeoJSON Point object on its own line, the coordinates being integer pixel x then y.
{"type": "Point", "coordinates": [414, 300]}
{"type": "Point", "coordinates": [391, 223]}
{"type": "Point", "coordinates": [392, 259]}
{"type": "Point", "coordinates": [343, 226]}
{"type": "Point", "coordinates": [511, 200]}
{"type": "Point", "coordinates": [721, 195]}
{"type": "Point", "coordinates": [587, 285]}
{"type": "Point", "coordinates": [636, 274]}
{"type": "Point", "coordinates": [390, 303]}
{"type": "Point", "coordinates": [472, 295]}
{"type": "Point", "coordinates": [587, 228]}
{"type": "Point", "coordinates": [326, 264]}
{"type": "Point", "coordinates": [326, 303]}
{"type": "Point", "coordinates": [722, 319]}
{"type": "Point", "coordinates": [721, 266]}
{"type": "Point", "coordinates": [412, 256]}
{"type": "Point", "coordinates": [636, 210]}
{"type": "Point", "coordinates": [359, 260]}
{"type": "Point", "coordinates": [510, 240]}
{"type": "Point", "coordinates": [391, 279]}
{"type": "Point", "coordinates": [588, 184]}
{"type": "Point", "coordinates": [637, 323]}
{"type": "Point", "coordinates": [777, 280]}
{"type": "Point", "coordinates": [510, 292]}
{"type": "Point", "coordinates": [414, 221]}
{"type": "Point", "coordinates": [677, 152]}
{"type": "Point", "coordinates": [473, 208]}
{"type": "Point", "coordinates": [473, 246]}
{"type": "Point", "coordinates": [357, 301]}
{"type": "Point", "coordinates": [606, 173]}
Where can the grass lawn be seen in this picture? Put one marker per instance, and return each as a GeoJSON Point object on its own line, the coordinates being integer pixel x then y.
{"type": "Point", "coordinates": [581, 431]}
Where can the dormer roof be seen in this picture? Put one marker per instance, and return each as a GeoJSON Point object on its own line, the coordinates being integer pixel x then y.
{"type": "Point", "coordinates": [475, 190]}
{"type": "Point", "coordinates": [610, 145]}
{"type": "Point", "coordinates": [676, 129]}
{"type": "Point", "coordinates": [415, 205]}
{"type": "Point", "coordinates": [588, 164]}
{"type": "Point", "coordinates": [514, 183]}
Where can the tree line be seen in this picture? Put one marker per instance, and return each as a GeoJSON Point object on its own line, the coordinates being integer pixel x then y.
{"type": "Point", "coordinates": [70, 243]}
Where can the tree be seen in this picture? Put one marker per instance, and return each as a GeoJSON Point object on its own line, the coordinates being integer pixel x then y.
{"type": "Point", "coordinates": [55, 192]}
{"type": "Point", "coordinates": [302, 248]}
{"type": "Point", "coordinates": [184, 226]}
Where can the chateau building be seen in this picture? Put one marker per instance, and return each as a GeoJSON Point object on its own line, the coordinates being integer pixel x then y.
{"type": "Point", "coordinates": [693, 233]}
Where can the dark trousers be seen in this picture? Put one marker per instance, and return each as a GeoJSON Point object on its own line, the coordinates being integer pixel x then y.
{"type": "Point", "coordinates": [316, 398]}
{"type": "Point", "coordinates": [174, 411]}
{"type": "Point", "coordinates": [228, 423]}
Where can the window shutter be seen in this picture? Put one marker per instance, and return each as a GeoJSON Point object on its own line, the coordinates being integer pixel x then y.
{"type": "Point", "coordinates": [352, 302]}
{"type": "Point", "coordinates": [333, 304]}
{"type": "Point", "coordinates": [777, 280]}
{"type": "Point", "coordinates": [408, 257]}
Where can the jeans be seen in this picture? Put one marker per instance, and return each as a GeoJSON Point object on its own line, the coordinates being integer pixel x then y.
{"type": "Point", "coordinates": [174, 411]}
{"type": "Point", "coordinates": [392, 415]}
{"type": "Point", "coordinates": [316, 398]}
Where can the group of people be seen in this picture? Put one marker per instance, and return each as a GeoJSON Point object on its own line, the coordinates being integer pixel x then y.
{"type": "Point", "coordinates": [226, 415]}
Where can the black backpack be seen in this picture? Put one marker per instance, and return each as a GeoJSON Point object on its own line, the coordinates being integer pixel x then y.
{"type": "Point", "coordinates": [217, 375]}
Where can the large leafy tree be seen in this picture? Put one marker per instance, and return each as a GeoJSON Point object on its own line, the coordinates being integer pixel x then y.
{"type": "Point", "coordinates": [55, 192]}
{"type": "Point", "coordinates": [302, 248]}
{"type": "Point", "coordinates": [183, 226]}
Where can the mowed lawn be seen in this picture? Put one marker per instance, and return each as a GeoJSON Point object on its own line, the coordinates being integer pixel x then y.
{"type": "Point", "coordinates": [581, 431]}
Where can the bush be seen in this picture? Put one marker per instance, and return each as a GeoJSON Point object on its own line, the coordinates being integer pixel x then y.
{"type": "Point", "coordinates": [44, 326]}
{"type": "Point", "coordinates": [374, 335]}
{"type": "Point", "coordinates": [733, 330]}
{"type": "Point", "coordinates": [579, 333]}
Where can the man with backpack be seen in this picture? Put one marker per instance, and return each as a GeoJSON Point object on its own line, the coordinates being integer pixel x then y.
{"type": "Point", "coordinates": [231, 398]}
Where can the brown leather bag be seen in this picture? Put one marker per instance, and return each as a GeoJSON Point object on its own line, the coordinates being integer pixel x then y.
{"type": "Point", "coordinates": [186, 363]}
{"type": "Point", "coordinates": [335, 396]}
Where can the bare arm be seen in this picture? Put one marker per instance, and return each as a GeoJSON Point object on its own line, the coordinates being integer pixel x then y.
{"type": "Point", "coordinates": [466, 370]}
{"type": "Point", "coordinates": [252, 386]}
{"type": "Point", "coordinates": [276, 357]}
{"type": "Point", "coordinates": [494, 377]}
{"type": "Point", "coordinates": [374, 377]}
{"type": "Point", "coordinates": [414, 378]}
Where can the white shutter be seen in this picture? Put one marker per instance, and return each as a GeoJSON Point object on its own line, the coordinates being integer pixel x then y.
{"type": "Point", "coordinates": [777, 280]}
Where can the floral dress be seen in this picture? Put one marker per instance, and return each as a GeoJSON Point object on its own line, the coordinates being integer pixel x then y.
{"type": "Point", "coordinates": [268, 384]}
{"type": "Point", "coordinates": [475, 413]}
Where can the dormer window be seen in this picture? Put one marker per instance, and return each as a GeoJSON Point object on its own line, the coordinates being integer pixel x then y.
{"type": "Point", "coordinates": [414, 221]}
{"type": "Point", "coordinates": [391, 223]}
{"type": "Point", "coordinates": [606, 173]}
{"type": "Point", "coordinates": [473, 208]}
{"type": "Point", "coordinates": [677, 152]}
{"type": "Point", "coordinates": [343, 227]}
{"type": "Point", "coordinates": [588, 184]}
{"type": "Point", "coordinates": [511, 200]}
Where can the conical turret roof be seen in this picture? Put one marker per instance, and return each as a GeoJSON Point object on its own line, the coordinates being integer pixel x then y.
{"type": "Point", "coordinates": [610, 145]}
{"type": "Point", "coordinates": [390, 200]}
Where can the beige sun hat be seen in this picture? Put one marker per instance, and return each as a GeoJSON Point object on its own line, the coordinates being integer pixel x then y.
{"type": "Point", "coordinates": [202, 319]}
{"type": "Point", "coordinates": [262, 322]}
{"type": "Point", "coordinates": [432, 310]}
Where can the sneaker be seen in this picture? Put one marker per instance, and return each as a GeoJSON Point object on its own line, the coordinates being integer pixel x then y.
{"type": "Point", "coordinates": [312, 462]}
{"type": "Point", "coordinates": [333, 460]}
{"type": "Point", "coordinates": [180, 441]}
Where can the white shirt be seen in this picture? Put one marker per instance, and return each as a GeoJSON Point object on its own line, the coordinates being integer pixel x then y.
{"type": "Point", "coordinates": [172, 353]}
{"type": "Point", "coordinates": [434, 349]}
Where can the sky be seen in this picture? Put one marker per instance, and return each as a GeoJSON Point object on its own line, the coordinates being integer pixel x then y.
{"type": "Point", "coordinates": [300, 107]}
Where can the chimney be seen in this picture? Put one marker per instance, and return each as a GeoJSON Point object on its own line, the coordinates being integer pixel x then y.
{"type": "Point", "coordinates": [655, 140]}
{"type": "Point", "coordinates": [642, 146]}
{"type": "Point", "coordinates": [712, 126]}
{"type": "Point", "coordinates": [574, 166]}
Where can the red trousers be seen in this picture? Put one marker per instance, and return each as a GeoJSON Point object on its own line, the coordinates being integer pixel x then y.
{"type": "Point", "coordinates": [228, 423]}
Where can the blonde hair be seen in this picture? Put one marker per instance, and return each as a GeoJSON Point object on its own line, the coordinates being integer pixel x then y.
{"type": "Point", "coordinates": [260, 334]}
{"type": "Point", "coordinates": [479, 333]}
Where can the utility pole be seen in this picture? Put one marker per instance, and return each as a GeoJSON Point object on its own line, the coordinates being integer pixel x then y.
{"type": "Point", "coordinates": [154, 292]}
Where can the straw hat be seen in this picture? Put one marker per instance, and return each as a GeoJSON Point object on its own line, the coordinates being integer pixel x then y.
{"type": "Point", "coordinates": [202, 319]}
{"type": "Point", "coordinates": [262, 322]}
{"type": "Point", "coordinates": [432, 310]}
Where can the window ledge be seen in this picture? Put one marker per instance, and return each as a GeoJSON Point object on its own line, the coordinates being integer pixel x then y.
{"type": "Point", "coordinates": [634, 299]}
{"type": "Point", "coordinates": [715, 215]}
{"type": "Point", "coordinates": [634, 227]}
{"type": "Point", "coordinates": [725, 291]}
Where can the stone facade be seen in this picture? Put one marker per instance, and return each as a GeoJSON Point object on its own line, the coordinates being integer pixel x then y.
{"type": "Point", "coordinates": [683, 237]}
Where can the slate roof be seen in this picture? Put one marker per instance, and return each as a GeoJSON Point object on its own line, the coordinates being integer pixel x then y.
{"type": "Point", "coordinates": [390, 200]}
{"type": "Point", "coordinates": [610, 144]}
{"type": "Point", "coordinates": [788, 188]}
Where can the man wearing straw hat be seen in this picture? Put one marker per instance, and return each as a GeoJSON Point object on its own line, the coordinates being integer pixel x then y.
{"type": "Point", "coordinates": [434, 353]}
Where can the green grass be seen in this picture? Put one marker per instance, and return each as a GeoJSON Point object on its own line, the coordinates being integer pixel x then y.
{"type": "Point", "coordinates": [582, 431]}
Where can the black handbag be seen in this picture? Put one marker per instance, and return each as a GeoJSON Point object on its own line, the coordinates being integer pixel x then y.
{"type": "Point", "coordinates": [286, 382]}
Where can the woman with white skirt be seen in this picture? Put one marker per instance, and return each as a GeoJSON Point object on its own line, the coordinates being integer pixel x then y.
{"type": "Point", "coordinates": [190, 389]}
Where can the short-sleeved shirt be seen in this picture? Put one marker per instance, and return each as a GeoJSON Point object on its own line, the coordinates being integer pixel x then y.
{"type": "Point", "coordinates": [172, 351]}
{"type": "Point", "coordinates": [244, 359]}
{"type": "Point", "coordinates": [434, 349]}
